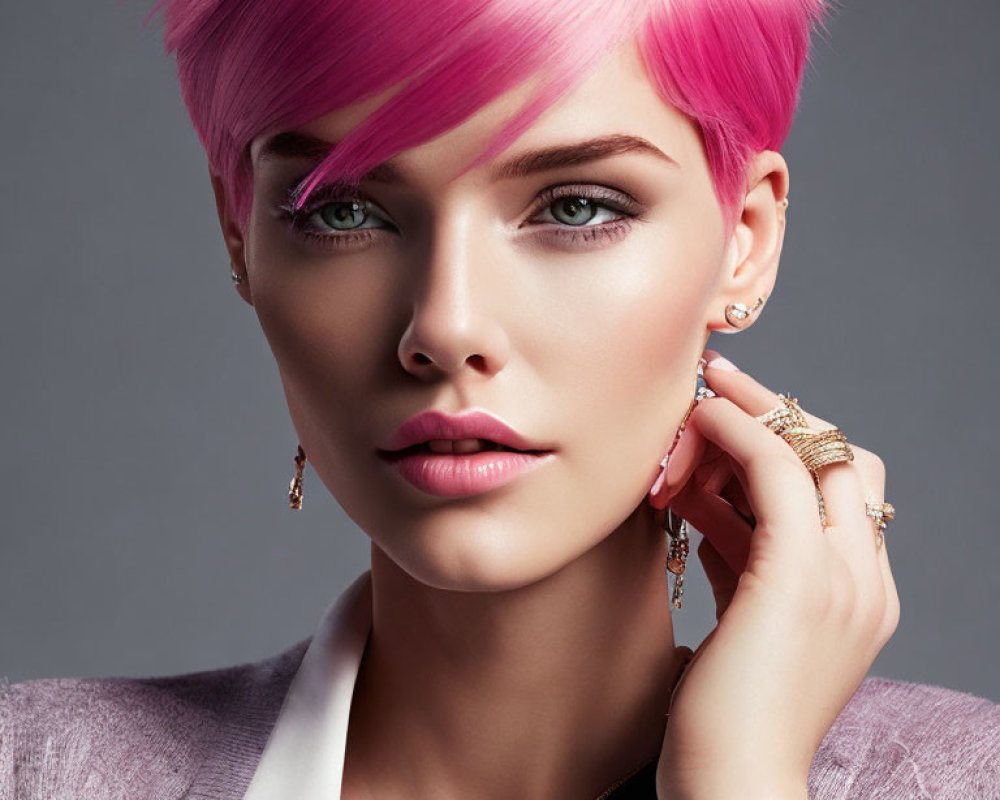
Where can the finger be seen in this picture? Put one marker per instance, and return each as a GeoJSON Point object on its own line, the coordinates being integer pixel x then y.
{"type": "Point", "coordinates": [685, 458]}
{"type": "Point", "coordinates": [755, 399]}
{"type": "Point", "coordinates": [713, 476]}
{"type": "Point", "coordinates": [735, 493]}
{"type": "Point", "coordinates": [744, 390]}
{"type": "Point", "coordinates": [872, 470]}
{"type": "Point", "coordinates": [839, 483]}
{"type": "Point", "coordinates": [779, 488]}
{"type": "Point", "coordinates": [849, 529]}
{"type": "Point", "coordinates": [721, 477]}
{"type": "Point", "coordinates": [721, 577]}
{"type": "Point", "coordinates": [724, 378]}
{"type": "Point", "coordinates": [716, 520]}
{"type": "Point", "coordinates": [845, 487]}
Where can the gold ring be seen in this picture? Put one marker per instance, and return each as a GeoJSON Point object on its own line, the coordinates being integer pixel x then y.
{"type": "Point", "coordinates": [818, 448]}
{"type": "Point", "coordinates": [881, 513]}
{"type": "Point", "coordinates": [787, 415]}
{"type": "Point", "coordinates": [815, 449]}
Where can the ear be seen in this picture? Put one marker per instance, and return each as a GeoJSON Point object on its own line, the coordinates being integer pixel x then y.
{"type": "Point", "coordinates": [232, 235]}
{"type": "Point", "coordinates": [754, 249]}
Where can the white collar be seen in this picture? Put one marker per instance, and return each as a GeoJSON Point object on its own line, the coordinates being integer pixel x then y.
{"type": "Point", "coordinates": [304, 756]}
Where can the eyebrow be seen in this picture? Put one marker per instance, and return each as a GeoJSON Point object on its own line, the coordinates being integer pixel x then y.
{"type": "Point", "coordinates": [292, 144]}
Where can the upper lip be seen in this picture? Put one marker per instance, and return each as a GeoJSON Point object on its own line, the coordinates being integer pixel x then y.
{"type": "Point", "coordinates": [472, 424]}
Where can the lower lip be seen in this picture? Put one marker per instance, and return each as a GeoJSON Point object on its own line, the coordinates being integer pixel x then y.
{"type": "Point", "coordinates": [449, 475]}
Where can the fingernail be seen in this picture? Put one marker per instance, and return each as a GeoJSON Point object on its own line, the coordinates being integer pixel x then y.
{"type": "Point", "coordinates": [658, 483]}
{"type": "Point", "coordinates": [721, 362]}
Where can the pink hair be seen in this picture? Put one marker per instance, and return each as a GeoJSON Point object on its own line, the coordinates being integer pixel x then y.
{"type": "Point", "coordinates": [252, 66]}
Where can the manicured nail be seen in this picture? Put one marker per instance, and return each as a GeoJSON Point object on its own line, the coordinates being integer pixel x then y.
{"type": "Point", "coordinates": [721, 362]}
{"type": "Point", "coordinates": [658, 483]}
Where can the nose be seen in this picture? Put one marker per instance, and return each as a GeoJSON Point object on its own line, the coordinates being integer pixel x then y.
{"type": "Point", "coordinates": [454, 325]}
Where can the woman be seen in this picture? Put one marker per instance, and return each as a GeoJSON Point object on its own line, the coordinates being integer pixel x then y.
{"type": "Point", "coordinates": [487, 244]}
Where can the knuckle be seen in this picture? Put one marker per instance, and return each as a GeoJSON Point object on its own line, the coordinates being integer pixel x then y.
{"type": "Point", "coordinates": [878, 465]}
{"type": "Point", "coordinates": [891, 613]}
{"type": "Point", "coordinates": [781, 466]}
{"type": "Point", "coordinates": [776, 453]}
{"type": "Point", "coordinates": [872, 617]}
{"type": "Point", "coordinates": [891, 620]}
{"type": "Point", "coordinates": [869, 462]}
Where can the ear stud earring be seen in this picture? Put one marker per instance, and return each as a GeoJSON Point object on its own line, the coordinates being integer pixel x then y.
{"type": "Point", "coordinates": [295, 486]}
{"type": "Point", "coordinates": [737, 313]}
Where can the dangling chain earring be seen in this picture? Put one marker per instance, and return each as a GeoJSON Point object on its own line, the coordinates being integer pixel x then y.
{"type": "Point", "coordinates": [673, 525]}
{"type": "Point", "coordinates": [677, 553]}
{"type": "Point", "coordinates": [295, 486]}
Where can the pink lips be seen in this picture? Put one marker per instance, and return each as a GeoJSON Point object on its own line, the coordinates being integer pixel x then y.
{"type": "Point", "coordinates": [458, 474]}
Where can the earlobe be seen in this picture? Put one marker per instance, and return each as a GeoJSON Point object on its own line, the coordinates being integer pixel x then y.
{"type": "Point", "coordinates": [755, 246]}
{"type": "Point", "coordinates": [233, 238]}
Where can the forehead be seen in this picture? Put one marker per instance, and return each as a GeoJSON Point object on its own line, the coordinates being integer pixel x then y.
{"type": "Point", "coordinates": [616, 103]}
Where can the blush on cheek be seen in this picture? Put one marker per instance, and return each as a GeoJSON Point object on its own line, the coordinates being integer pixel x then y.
{"type": "Point", "coordinates": [641, 347]}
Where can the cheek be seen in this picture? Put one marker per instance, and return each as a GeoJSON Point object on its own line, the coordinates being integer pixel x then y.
{"type": "Point", "coordinates": [635, 328]}
{"type": "Point", "coordinates": [623, 367]}
{"type": "Point", "coordinates": [325, 327]}
{"type": "Point", "coordinates": [604, 347]}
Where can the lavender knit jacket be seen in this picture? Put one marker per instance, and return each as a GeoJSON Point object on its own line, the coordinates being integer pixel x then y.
{"type": "Point", "coordinates": [200, 736]}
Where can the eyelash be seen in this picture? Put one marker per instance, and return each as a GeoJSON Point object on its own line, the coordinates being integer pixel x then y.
{"type": "Point", "coordinates": [604, 199]}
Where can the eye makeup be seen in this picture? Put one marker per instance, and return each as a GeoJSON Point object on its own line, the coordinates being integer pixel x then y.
{"type": "Point", "coordinates": [616, 210]}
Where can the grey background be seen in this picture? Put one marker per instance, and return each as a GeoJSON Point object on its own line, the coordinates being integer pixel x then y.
{"type": "Point", "coordinates": [146, 446]}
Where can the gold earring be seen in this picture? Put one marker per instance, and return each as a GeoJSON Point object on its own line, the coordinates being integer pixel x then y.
{"type": "Point", "coordinates": [295, 486]}
{"type": "Point", "coordinates": [737, 313]}
{"type": "Point", "coordinates": [677, 553]}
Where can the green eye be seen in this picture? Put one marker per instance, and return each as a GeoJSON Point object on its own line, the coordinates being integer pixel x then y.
{"type": "Point", "coordinates": [343, 216]}
{"type": "Point", "coordinates": [574, 210]}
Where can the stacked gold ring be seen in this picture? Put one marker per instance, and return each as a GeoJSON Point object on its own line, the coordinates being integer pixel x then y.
{"type": "Point", "coordinates": [816, 449]}
{"type": "Point", "coordinates": [819, 448]}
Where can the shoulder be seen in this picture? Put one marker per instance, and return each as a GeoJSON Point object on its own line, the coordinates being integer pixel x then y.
{"type": "Point", "coordinates": [127, 737]}
{"type": "Point", "coordinates": [910, 741]}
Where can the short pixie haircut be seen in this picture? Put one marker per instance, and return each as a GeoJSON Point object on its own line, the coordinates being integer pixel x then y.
{"type": "Point", "coordinates": [247, 67]}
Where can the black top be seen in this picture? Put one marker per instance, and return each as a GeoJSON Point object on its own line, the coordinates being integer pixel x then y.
{"type": "Point", "coordinates": [637, 785]}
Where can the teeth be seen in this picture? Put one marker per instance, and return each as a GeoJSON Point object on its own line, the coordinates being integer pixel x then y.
{"type": "Point", "coordinates": [456, 445]}
{"type": "Point", "coordinates": [462, 446]}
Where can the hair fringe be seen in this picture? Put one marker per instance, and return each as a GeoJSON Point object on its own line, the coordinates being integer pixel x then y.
{"type": "Point", "coordinates": [249, 67]}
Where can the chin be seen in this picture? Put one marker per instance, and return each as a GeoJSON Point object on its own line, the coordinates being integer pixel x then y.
{"type": "Point", "coordinates": [476, 556]}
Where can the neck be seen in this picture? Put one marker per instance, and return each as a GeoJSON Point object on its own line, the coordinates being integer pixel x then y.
{"type": "Point", "coordinates": [555, 689]}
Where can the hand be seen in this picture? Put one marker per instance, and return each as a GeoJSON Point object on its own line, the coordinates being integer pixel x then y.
{"type": "Point", "coordinates": [802, 610]}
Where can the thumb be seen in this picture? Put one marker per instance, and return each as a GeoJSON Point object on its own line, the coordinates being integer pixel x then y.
{"type": "Point", "coordinates": [720, 576]}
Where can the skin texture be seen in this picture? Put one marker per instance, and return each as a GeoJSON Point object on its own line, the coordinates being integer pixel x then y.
{"type": "Point", "coordinates": [522, 644]}
{"type": "Point", "coordinates": [803, 609]}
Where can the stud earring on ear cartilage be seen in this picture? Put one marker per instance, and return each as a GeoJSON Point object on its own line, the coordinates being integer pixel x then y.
{"type": "Point", "coordinates": [677, 552]}
{"type": "Point", "coordinates": [295, 486]}
{"type": "Point", "coordinates": [737, 313]}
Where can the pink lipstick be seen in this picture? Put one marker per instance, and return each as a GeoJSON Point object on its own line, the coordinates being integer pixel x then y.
{"type": "Point", "coordinates": [461, 455]}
